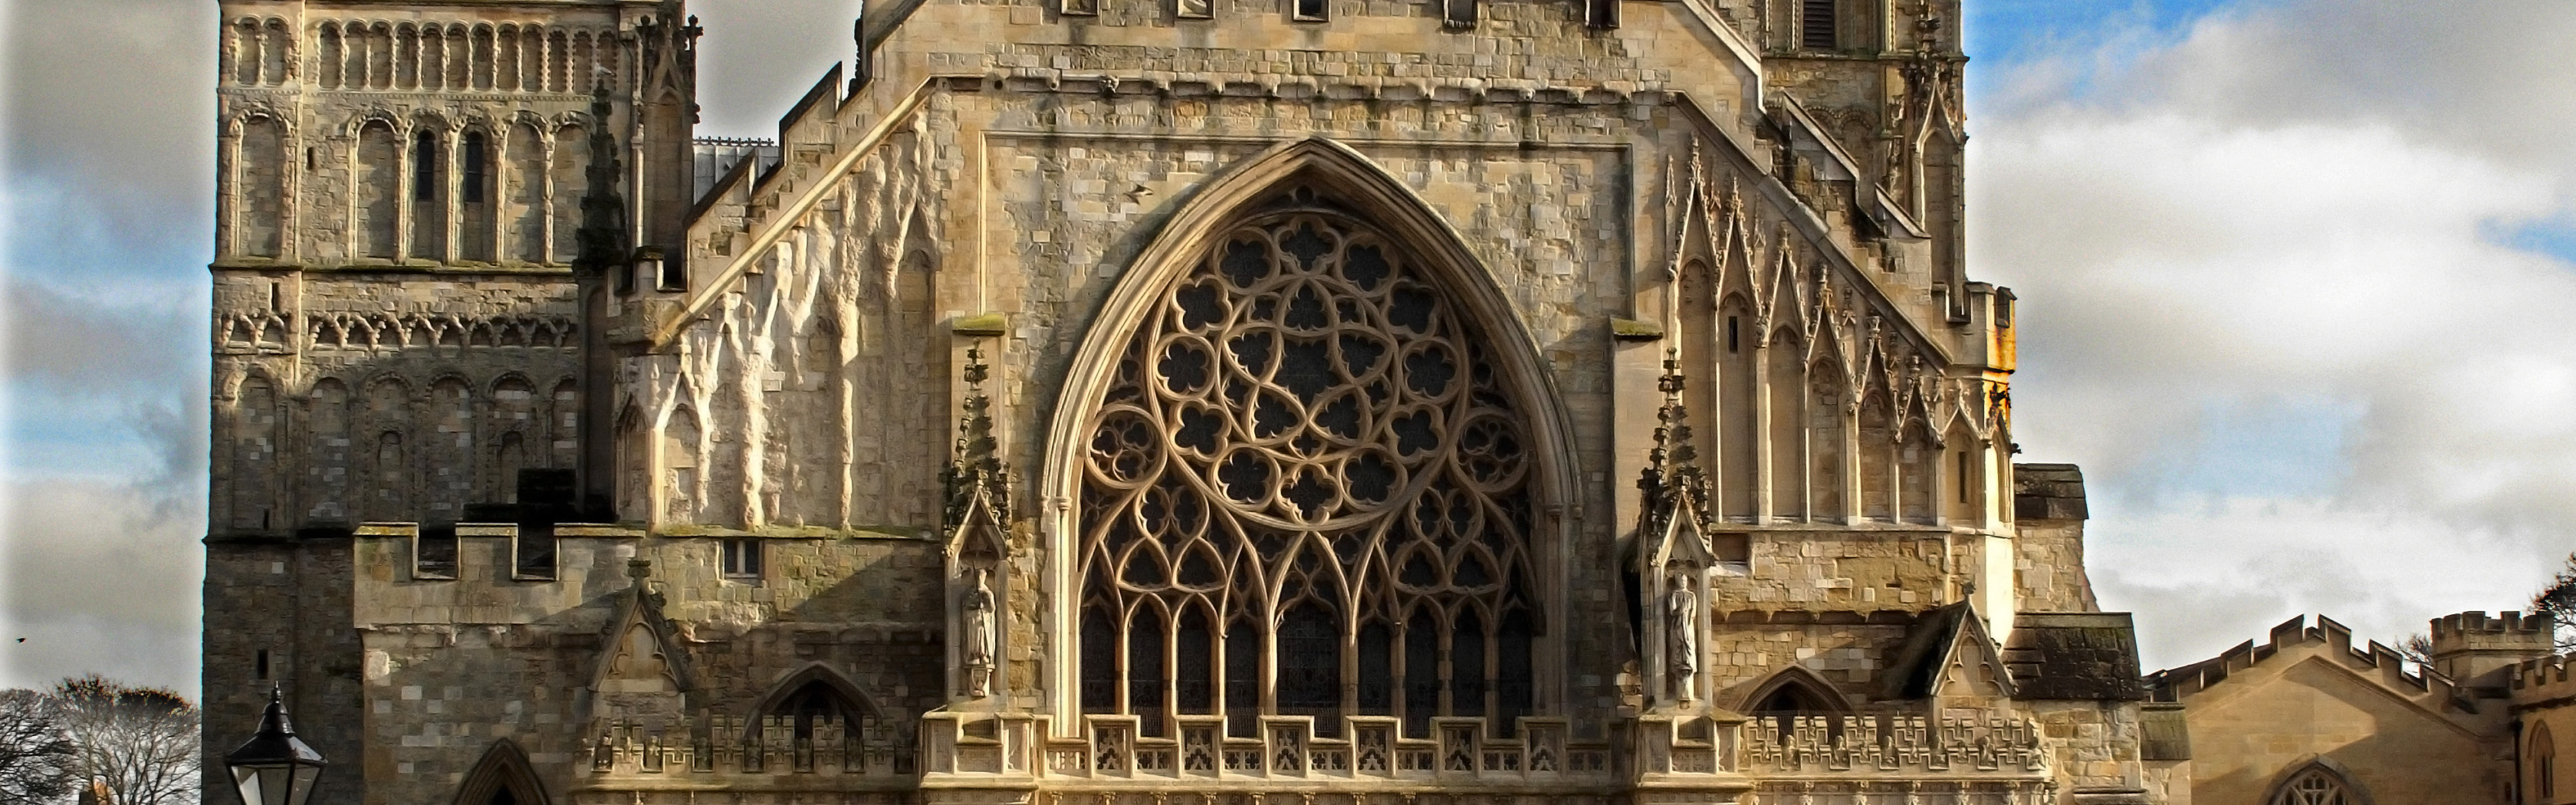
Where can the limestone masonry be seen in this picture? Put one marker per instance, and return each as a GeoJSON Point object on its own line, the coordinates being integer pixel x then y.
{"type": "Point", "coordinates": [1191, 402]}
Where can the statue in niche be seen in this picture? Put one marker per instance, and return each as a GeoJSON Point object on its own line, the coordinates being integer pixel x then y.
{"type": "Point", "coordinates": [1681, 614]}
{"type": "Point", "coordinates": [981, 634]}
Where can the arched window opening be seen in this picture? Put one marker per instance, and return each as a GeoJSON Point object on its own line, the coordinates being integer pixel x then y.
{"type": "Point", "coordinates": [1145, 671]}
{"type": "Point", "coordinates": [1788, 428]}
{"type": "Point", "coordinates": [1827, 443]}
{"type": "Point", "coordinates": [1243, 680]}
{"type": "Point", "coordinates": [262, 183]}
{"type": "Point", "coordinates": [428, 180]}
{"type": "Point", "coordinates": [379, 190]}
{"type": "Point", "coordinates": [817, 705]}
{"type": "Point", "coordinates": [1194, 686]}
{"type": "Point", "coordinates": [475, 169]}
{"type": "Point", "coordinates": [328, 59]}
{"type": "Point", "coordinates": [523, 183]}
{"type": "Point", "coordinates": [502, 777]}
{"type": "Point", "coordinates": [474, 192]}
{"type": "Point", "coordinates": [1795, 694]}
{"type": "Point", "coordinates": [2316, 785]}
{"type": "Point", "coordinates": [1310, 409]}
{"type": "Point", "coordinates": [1877, 459]}
{"type": "Point", "coordinates": [2543, 755]}
{"type": "Point", "coordinates": [570, 180]}
{"type": "Point", "coordinates": [1421, 671]}
{"type": "Point", "coordinates": [1099, 661]}
{"type": "Point", "coordinates": [276, 52]}
{"type": "Point", "coordinates": [827, 724]}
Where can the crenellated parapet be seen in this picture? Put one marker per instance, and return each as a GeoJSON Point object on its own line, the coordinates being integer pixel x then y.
{"type": "Point", "coordinates": [2293, 640]}
{"type": "Point", "coordinates": [2472, 646]}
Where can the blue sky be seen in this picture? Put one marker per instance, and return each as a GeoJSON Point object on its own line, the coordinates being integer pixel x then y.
{"type": "Point", "coordinates": [2294, 276]}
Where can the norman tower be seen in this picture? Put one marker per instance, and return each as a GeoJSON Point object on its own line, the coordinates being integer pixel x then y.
{"type": "Point", "coordinates": [1341, 400]}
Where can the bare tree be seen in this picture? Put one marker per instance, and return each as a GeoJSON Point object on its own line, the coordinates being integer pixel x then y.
{"type": "Point", "coordinates": [36, 756]}
{"type": "Point", "coordinates": [141, 742]}
{"type": "Point", "coordinates": [2557, 599]}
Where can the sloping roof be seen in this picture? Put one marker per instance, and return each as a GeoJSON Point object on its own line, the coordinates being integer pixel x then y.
{"type": "Point", "coordinates": [2075, 656]}
{"type": "Point", "coordinates": [2048, 492]}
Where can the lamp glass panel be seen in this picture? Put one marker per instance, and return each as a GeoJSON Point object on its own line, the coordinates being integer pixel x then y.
{"type": "Point", "coordinates": [304, 776]}
{"type": "Point", "coordinates": [249, 780]}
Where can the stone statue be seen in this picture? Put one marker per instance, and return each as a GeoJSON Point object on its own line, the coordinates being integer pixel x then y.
{"type": "Point", "coordinates": [1681, 649]}
{"type": "Point", "coordinates": [981, 635]}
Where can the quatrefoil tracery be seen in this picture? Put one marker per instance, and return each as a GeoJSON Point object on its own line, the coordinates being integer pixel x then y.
{"type": "Point", "coordinates": [1305, 419]}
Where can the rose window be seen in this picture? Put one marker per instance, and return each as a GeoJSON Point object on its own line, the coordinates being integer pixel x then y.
{"type": "Point", "coordinates": [1307, 493]}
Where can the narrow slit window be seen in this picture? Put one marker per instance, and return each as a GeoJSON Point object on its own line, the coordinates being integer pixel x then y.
{"type": "Point", "coordinates": [1734, 334]}
{"type": "Point", "coordinates": [263, 663]}
{"type": "Point", "coordinates": [1816, 25]}
{"type": "Point", "coordinates": [424, 180]}
{"type": "Point", "coordinates": [474, 168]}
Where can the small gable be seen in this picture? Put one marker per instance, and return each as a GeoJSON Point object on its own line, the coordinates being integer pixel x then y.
{"type": "Point", "coordinates": [1948, 654]}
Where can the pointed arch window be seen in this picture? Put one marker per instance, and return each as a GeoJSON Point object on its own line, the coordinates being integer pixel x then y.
{"type": "Point", "coordinates": [2543, 755]}
{"type": "Point", "coordinates": [2318, 784]}
{"type": "Point", "coordinates": [1308, 437]}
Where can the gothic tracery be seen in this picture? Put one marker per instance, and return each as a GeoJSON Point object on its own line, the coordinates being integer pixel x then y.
{"type": "Point", "coordinates": [1307, 444]}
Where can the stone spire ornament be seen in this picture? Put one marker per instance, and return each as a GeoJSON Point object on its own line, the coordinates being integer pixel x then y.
{"type": "Point", "coordinates": [978, 516]}
{"type": "Point", "coordinates": [1673, 559]}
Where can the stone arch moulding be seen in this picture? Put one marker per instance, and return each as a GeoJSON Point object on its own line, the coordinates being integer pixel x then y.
{"type": "Point", "coordinates": [1200, 224]}
{"type": "Point", "coordinates": [504, 767]}
{"type": "Point", "coordinates": [2341, 776]}
{"type": "Point", "coordinates": [1796, 676]}
{"type": "Point", "coordinates": [812, 672]}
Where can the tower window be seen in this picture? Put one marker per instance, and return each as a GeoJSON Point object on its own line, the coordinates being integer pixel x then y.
{"type": "Point", "coordinates": [263, 664]}
{"type": "Point", "coordinates": [1816, 24]}
{"type": "Point", "coordinates": [424, 180]}
{"type": "Point", "coordinates": [1310, 10]}
{"type": "Point", "coordinates": [474, 168]}
{"type": "Point", "coordinates": [1734, 333]}
{"type": "Point", "coordinates": [742, 557]}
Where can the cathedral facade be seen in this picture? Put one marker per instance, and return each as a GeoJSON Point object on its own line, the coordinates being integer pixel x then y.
{"type": "Point", "coordinates": [1140, 402]}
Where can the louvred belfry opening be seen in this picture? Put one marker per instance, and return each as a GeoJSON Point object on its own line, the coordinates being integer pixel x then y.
{"type": "Point", "coordinates": [1309, 464]}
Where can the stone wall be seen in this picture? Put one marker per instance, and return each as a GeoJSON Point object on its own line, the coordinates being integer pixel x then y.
{"type": "Point", "coordinates": [451, 666]}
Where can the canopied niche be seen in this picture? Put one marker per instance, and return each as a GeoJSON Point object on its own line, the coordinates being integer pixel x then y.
{"type": "Point", "coordinates": [1314, 478]}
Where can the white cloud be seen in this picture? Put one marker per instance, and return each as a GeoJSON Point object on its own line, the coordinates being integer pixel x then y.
{"type": "Point", "coordinates": [2281, 216]}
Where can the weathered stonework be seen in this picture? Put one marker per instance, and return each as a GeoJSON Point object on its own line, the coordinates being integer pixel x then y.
{"type": "Point", "coordinates": [823, 491]}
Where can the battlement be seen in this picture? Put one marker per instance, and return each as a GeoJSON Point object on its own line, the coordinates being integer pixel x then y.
{"type": "Point", "coordinates": [2471, 646]}
{"type": "Point", "coordinates": [2427, 687]}
{"type": "Point", "coordinates": [2475, 630]}
{"type": "Point", "coordinates": [2543, 679]}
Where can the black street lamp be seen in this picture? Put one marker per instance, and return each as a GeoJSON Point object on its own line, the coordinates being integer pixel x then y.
{"type": "Point", "coordinates": [275, 767]}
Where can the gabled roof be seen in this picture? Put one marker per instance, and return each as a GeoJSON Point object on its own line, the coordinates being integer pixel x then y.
{"type": "Point", "coordinates": [1941, 638]}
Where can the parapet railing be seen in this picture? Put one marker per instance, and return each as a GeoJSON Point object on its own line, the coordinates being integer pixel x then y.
{"type": "Point", "coordinates": [1878, 744]}
{"type": "Point", "coordinates": [1113, 750]}
{"type": "Point", "coordinates": [769, 745]}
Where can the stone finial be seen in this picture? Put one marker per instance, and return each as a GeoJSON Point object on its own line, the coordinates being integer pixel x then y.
{"type": "Point", "coordinates": [976, 471]}
{"type": "Point", "coordinates": [1672, 475]}
{"type": "Point", "coordinates": [638, 569]}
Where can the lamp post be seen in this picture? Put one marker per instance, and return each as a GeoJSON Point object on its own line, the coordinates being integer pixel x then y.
{"type": "Point", "coordinates": [275, 767]}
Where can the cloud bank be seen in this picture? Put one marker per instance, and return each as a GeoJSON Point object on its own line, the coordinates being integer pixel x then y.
{"type": "Point", "coordinates": [2288, 296]}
